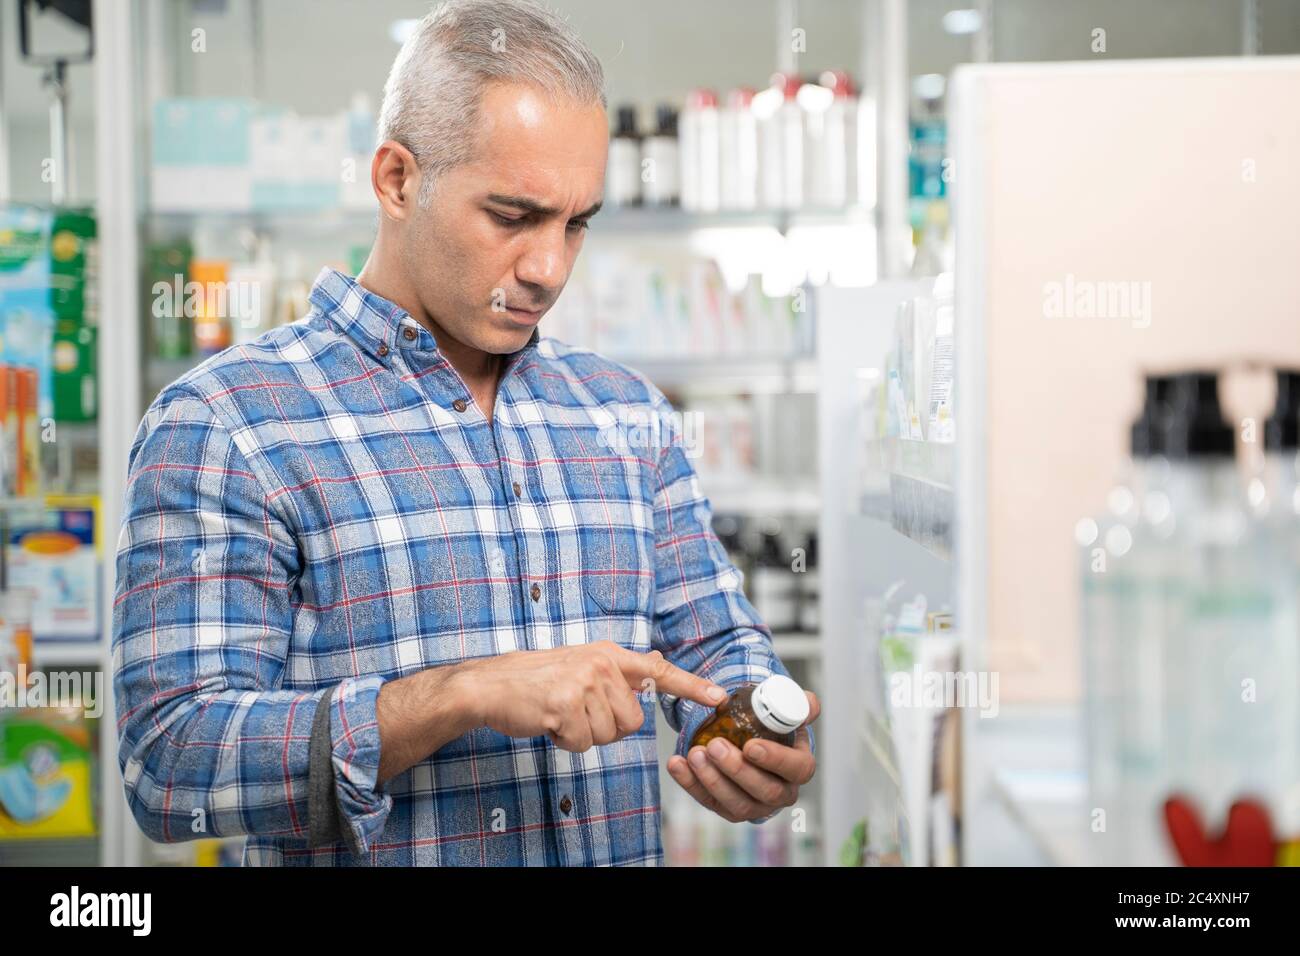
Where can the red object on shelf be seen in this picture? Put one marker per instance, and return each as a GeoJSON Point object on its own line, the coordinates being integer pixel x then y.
{"type": "Point", "coordinates": [741, 98]}
{"type": "Point", "coordinates": [1247, 840]}
{"type": "Point", "coordinates": [701, 99]}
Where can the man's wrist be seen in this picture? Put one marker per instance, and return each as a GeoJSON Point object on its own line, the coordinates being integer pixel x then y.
{"type": "Point", "coordinates": [459, 687]}
{"type": "Point", "coordinates": [421, 713]}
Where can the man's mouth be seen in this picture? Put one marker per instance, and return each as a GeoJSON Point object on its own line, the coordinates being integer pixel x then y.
{"type": "Point", "coordinates": [525, 316]}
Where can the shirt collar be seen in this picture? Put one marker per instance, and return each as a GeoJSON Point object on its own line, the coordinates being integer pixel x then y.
{"type": "Point", "coordinates": [373, 321]}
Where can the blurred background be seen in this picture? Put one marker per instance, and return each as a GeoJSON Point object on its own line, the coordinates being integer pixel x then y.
{"type": "Point", "coordinates": [987, 312]}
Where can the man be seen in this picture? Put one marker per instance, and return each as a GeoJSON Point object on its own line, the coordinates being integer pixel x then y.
{"type": "Point", "coordinates": [399, 583]}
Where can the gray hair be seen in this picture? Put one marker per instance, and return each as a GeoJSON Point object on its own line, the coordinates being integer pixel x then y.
{"type": "Point", "coordinates": [432, 96]}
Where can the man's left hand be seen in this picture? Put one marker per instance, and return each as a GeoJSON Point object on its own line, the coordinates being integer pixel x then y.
{"type": "Point", "coordinates": [750, 784]}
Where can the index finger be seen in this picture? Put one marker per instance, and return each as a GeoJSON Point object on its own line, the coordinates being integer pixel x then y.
{"type": "Point", "coordinates": [667, 678]}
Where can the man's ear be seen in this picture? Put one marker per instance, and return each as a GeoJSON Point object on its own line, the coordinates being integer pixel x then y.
{"type": "Point", "coordinates": [395, 177]}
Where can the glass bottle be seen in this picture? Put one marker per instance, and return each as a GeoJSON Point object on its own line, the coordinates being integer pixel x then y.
{"type": "Point", "coordinates": [772, 710]}
{"type": "Point", "coordinates": [1221, 729]}
{"type": "Point", "coordinates": [1120, 634]}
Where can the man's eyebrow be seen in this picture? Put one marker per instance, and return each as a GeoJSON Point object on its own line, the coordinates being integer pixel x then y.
{"type": "Point", "coordinates": [525, 204]}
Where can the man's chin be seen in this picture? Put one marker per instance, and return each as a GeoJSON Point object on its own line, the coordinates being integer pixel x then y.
{"type": "Point", "coordinates": [503, 335]}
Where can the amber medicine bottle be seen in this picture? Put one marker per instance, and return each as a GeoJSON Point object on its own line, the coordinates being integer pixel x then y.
{"type": "Point", "coordinates": [772, 710]}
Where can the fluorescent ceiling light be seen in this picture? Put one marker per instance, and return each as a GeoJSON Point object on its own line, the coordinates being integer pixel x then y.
{"type": "Point", "coordinates": [962, 21]}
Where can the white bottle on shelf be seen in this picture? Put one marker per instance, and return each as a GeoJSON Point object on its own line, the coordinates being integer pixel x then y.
{"type": "Point", "coordinates": [738, 148]}
{"type": "Point", "coordinates": [700, 152]}
{"type": "Point", "coordinates": [781, 143]}
{"type": "Point", "coordinates": [830, 119]}
{"type": "Point", "coordinates": [252, 295]}
{"type": "Point", "coordinates": [791, 120]}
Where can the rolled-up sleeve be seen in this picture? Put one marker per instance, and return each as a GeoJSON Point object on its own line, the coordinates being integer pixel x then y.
{"type": "Point", "coordinates": [211, 742]}
{"type": "Point", "coordinates": [704, 623]}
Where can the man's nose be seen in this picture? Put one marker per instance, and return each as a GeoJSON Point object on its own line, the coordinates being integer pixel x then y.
{"type": "Point", "coordinates": [543, 263]}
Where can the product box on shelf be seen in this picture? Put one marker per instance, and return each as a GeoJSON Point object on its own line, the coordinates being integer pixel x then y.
{"type": "Point", "coordinates": [74, 267]}
{"type": "Point", "coordinates": [74, 279]}
{"type": "Point", "coordinates": [26, 313]}
{"type": "Point", "coordinates": [167, 268]}
{"type": "Point", "coordinates": [56, 557]}
{"type": "Point", "coordinates": [47, 779]}
{"type": "Point", "coordinates": [73, 372]}
{"type": "Point", "coordinates": [297, 161]}
{"type": "Point", "coordinates": [923, 692]}
{"type": "Point", "coordinates": [233, 155]}
{"type": "Point", "coordinates": [202, 155]}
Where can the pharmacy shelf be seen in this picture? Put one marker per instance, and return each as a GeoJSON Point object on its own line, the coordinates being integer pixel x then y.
{"type": "Point", "coordinates": [78, 852]}
{"type": "Point", "coordinates": [930, 546]}
{"type": "Point", "coordinates": [908, 484]}
{"type": "Point", "coordinates": [728, 373]}
{"type": "Point", "coordinates": [80, 432]}
{"type": "Point", "coordinates": [628, 221]}
{"type": "Point", "coordinates": [52, 653]}
{"type": "Point", "coordinates": [22, 506]}
{"type": "Point", "coordinates": [928, 461]}
{"type": "Point", "coordinates": [863, 558]}
{"type": "Point", "coordinates": [313, 222]}
{"type": "Point", "coordinates": [644, 220]}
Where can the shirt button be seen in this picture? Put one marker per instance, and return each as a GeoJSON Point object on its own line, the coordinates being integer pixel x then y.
{"type": "Point", "coordinates": [383, 350]}
{"type": "Point", "coordinates": [409, 334]}
{"type": "Point", "coordinates": [566, 805]}
{"type": "Point", "coordinates": [536, 592]}
{"type": "Point", "coordinates": [459, 405]}
{"type": "Point", "coordinates": [518, 491]}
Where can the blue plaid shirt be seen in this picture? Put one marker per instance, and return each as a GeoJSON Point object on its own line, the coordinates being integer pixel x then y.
{"type": "Point", "coordinates": [325, 509]}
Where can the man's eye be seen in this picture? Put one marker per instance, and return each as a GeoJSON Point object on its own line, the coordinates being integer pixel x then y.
{"type": "Point", "coordinates": [578, 224]}
{"type": "Point", "coordinates": [506, 220]}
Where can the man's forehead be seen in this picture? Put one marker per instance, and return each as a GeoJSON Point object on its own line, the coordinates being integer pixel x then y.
{"type": "Point", "coordinates": [508, 110]}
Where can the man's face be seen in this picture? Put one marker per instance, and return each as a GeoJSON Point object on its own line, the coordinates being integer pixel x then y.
{"type": "Point", "coordinates": [492, 252]}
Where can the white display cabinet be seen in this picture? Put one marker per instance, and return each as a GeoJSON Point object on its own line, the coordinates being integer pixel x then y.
{"type": "Point", "coordinates": [1166, 179]}
{"type": "Point", "coordinates": [885, 528]}
{"type": "Point", "coordinates": [1190, 209]}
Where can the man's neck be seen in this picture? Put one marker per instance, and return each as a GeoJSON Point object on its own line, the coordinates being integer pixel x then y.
{"type": "Point", "coordinates": [481, 371]}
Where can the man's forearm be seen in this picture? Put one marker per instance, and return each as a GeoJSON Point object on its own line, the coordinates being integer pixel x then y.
{"type": "Point", "coordinates": [419, 714]}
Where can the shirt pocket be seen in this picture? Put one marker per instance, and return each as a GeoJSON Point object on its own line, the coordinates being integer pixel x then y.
{"type": "Point", "coordinates": [619, 612]}
{"type": "Point", "coordinates": [616, 526]}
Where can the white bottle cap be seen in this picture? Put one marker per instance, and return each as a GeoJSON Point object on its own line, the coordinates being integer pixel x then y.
{"type": "Point", "coordinates": [780, 704]}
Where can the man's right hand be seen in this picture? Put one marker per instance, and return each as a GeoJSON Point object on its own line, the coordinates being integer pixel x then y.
{"type": "Point", "coordinates": [579, 696]}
